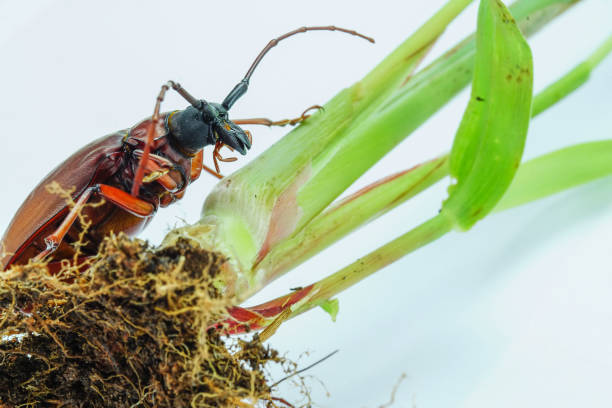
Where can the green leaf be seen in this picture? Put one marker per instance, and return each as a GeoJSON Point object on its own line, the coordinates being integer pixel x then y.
{"type": "Point", "coordinates": [349, 214]}
{"type": "Point", "coordinates": [489, 143]}
{"type": "Point", "coordinates": [558, 171]}
{"type": "Point", "coordinates": [331, 306]}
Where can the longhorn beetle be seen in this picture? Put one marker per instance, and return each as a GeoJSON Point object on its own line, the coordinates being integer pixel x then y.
{"type": "Point", "coordinates": [133, 172]}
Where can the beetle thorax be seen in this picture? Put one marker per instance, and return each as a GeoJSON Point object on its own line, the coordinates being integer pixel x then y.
{"type": "Point", "coordinates": [191, 130]}
{"type": "Point", "coordinates": [198, 126]}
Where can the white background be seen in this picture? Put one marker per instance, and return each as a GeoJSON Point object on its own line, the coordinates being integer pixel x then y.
{"type": "Point", "coordinates": [516, 312]}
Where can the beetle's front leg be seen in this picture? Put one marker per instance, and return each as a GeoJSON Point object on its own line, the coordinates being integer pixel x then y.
{"type": "Point", "coordinates": [151, 133]}
{"type": "Point", "coordinates": [156, 168]}
{"type": "Point", "coordinates": [283, 122]}
{"type": "Point", "coordinates": [197, 165]}
{"type": "Point", "coordinates": [120, 198]}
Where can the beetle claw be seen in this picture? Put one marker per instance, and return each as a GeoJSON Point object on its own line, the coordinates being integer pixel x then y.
{"type": "Point", "coordinates": [233, 136]}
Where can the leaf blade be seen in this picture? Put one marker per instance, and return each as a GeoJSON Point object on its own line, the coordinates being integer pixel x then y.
{"type": "Point", "coordinates": [557, 171]}
{"type": "Point", "coordinates": [489, 143]}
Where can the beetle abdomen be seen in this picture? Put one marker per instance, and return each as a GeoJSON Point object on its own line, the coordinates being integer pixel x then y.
{"type": "Point", "coordinates": [98, 160]}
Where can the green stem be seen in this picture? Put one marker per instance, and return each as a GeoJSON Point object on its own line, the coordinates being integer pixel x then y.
{"type": "Point", "coordinates": [377, 83]}
{"type": "Point", "coordinates": [350, 213]}
{"type": "Point", "coordinates": [320, 293]}
{"type": "Point", "coordinates": [572, 80]}
{"type": "Point", "coordinates": [414, 239]}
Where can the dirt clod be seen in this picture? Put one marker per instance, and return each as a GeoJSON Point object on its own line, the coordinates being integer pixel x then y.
{"type": "Point", "coordinates": [132, 330]}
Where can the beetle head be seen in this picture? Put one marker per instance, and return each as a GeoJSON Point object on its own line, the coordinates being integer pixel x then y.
{"type": "Point", "coordinates": [196, 127]}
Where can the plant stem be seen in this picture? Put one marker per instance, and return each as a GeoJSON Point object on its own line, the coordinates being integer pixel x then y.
{"type": "Point", "coordinates": [416, 238]}
{"type": "Point", "coordinates": [572, 80]}
{"type": "Point", "coordinates": [350, 213]}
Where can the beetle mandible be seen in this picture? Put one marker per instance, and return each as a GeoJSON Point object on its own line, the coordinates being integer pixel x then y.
{"type": "Point", "coordinates": [133, 172]}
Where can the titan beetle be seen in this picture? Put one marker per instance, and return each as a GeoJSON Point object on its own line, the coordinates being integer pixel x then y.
{"type": "Point", "coordinates": [132, 172]}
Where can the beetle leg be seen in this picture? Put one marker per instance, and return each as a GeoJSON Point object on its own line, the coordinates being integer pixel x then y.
{"type": "Point", "coordinates": [154, 172]}
{"type": "Point", "coordinates": [151, 131]}
{"type": "Point", "coordinates": [197, 165]}
{"type": "Point", "coordinates": [217, 156]}
{"type": "Point", "coordinates": [125, 201]}
{"type": "Point", "coordinates": [215, 153]}
{"type": "Point", "coordinates": [114, 195]}
{"type": "Point", "coordinates": [283, 122]}
{"type": "Point", "coordinates": [212, 172]}
{"type": "Point", "coordinates": [157, 167]}
{"type": "Point", "coordinates": [160, 160]}
{"type": "Point", "coordinates": [53, 240]}
{"type": "Point", "coordinates": [149, 141]}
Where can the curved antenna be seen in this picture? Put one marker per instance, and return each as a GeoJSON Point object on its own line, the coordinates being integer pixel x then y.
{"type": "Point", "coordinates": [273, 43]}
{"type": "Point", "coordinates": [243, 85]}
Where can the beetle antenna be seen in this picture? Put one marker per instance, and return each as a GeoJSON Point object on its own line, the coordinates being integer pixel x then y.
{"type": "Point", "coordinates": [196, 103]}
{"type": "Point", "coordinates": [243, 85]}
